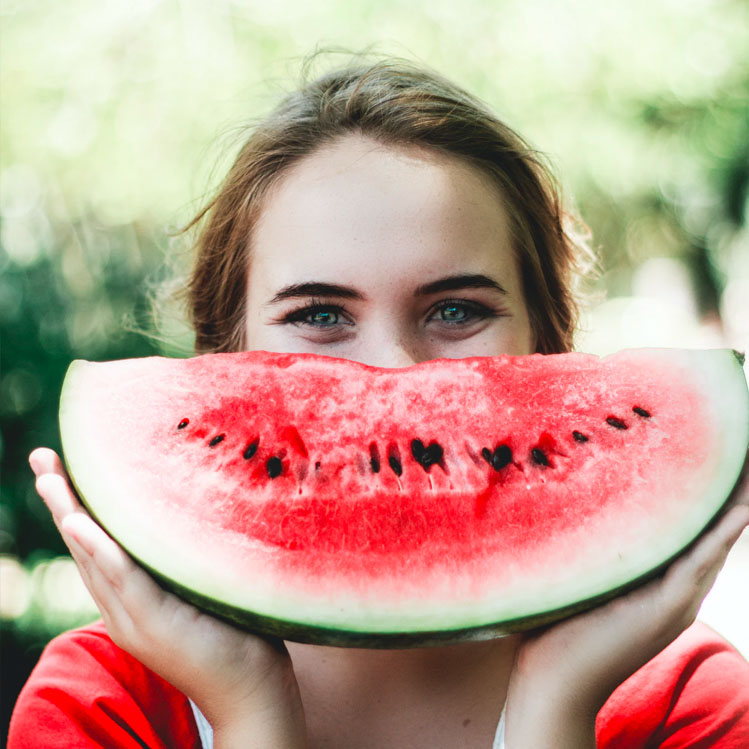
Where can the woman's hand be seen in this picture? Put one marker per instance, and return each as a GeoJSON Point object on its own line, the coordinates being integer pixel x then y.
{"type": "Point", "coordinates": [244, 685]}
{"type": "Point", "coordinates": [565, 673]}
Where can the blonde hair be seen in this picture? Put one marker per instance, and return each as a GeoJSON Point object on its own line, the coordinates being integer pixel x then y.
{"type": "Point", "coordinates": [394, 103]}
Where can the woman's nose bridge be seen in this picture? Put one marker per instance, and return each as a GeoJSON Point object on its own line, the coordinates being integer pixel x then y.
{"type": "Point", "coordinates": [401, 356]}
{"type": "Point", "coordinates": [396, 351]}
{"type": "Point", "coordinates": [391, 339]}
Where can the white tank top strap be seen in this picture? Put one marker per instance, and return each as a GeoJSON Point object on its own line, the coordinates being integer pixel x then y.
{"type": "Point", "coordinates": [499, 736]}
{"type": "Point", "coordinates": [204, 727]}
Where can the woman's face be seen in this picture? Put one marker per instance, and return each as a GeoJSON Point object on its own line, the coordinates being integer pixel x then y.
{"type": "Point", "coordinates": [387, 256]}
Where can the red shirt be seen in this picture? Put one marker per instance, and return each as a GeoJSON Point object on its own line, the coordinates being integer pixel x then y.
{"type": "Point", "coordinates": [87, 692]}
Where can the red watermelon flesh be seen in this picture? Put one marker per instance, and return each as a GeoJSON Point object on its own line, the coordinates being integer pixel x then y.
{"type": "Point", "coordinates": [328, 501]}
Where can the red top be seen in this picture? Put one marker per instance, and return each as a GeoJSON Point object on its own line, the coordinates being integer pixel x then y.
{"type": "Point", "coordinates": [87, 692]}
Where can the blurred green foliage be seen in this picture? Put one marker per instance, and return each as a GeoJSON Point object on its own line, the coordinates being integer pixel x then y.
{"type": "Point", "coordinates": [109, 110]}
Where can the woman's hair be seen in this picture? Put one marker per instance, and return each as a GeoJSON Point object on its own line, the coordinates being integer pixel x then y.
{"type": "Point", "coordinates": [394, 103]}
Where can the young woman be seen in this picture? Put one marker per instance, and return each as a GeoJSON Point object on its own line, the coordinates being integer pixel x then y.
{"type": "Point", "coordinates": [381, 214]}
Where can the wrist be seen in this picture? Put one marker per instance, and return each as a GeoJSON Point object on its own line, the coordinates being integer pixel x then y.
{"type": "Point", "coordinates": [257, 718]}
{"type": "Point", "coordinates": [244, 732]}
{"type": "Point", "coordinates": [550, 726]}
{"type": "Point", "coordinates": [550, 717]}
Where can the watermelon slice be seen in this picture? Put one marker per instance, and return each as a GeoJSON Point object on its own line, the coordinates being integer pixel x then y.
{"type": "Point", "coordinates": [322, 500]}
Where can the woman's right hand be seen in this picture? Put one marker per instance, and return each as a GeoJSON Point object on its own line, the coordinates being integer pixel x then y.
{"type": "Point", "coordinates": [243, 684]}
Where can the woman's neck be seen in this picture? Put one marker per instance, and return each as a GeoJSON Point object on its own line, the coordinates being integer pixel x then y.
{"type": "Point", "coordinates": [371, 698]}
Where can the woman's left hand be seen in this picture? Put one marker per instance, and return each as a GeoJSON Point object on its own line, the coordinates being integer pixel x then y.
{"type": "Point", "coordinates": [564, 673]}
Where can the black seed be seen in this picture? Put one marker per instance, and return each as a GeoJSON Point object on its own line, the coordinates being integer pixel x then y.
{"type": "Point", "coordinates": [317, 465]}
{"type": "Point", "coordinates": [274, 467]}
{"type": "Point", "coordinates": [218, 438]}
{"type": "Point", "coordinates": [641, 412]}
{"type": "Point", "coordinates": [395, 464]}
{"type": "Point", "coordinates": [250, 450]}
{"type": "Point", "coordinates": [433, 454]}
{"type": "Point", "coordinates": [426, 456]}
{"type": "Point", "coordinates": [417, 449]}
{"type": "Point", "coordinates": [374, 458]}
{"type": "Point", "coordinates": [183, 423]}
{"type": "Point", "coordinates": [616, 423]}
{"type": "Point", "coordinates": [486, 454]}
{"type": "Point", "coordinates": [539, 456]}
{"type": "Point", "coordinates": [501, 457]}
{"type": "Point", "coordinates": [579, 436]}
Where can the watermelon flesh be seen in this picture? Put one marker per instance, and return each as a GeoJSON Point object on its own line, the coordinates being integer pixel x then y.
{"type": "Point", "coordinates": [326, 501]}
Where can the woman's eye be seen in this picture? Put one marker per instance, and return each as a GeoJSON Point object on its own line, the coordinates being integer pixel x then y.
{"type": "Point", "coordinates": [454, 313]}
{"type": "Point", "coordinates": [322, 317]}
{"type": "Point", "coordinates": [318, 316]}
{"type": "Point", "coordinates": [461, 312]}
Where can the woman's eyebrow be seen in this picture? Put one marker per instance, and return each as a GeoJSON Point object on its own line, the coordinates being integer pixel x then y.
{"type": "Point", "coordinates": [465, 281]}
{"type": "Point", "coordinates": [315, 288]}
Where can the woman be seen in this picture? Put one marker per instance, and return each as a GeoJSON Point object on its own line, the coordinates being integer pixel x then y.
{"type": "Point", "coordinates": [381, 214]}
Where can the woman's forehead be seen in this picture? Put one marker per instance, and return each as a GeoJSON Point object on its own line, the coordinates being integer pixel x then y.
{"type": "Point", "coordinates": [358, 184]}
{"type": "Point", "coordinates": [358, 209]}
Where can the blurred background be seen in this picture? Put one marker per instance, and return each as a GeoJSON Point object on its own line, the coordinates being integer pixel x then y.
{"type": "Point", "coordinates": [117, 118]}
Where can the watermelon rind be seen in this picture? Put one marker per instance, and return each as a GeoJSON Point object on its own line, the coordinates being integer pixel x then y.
{"type": "Point", "coordinates": [372, 622]}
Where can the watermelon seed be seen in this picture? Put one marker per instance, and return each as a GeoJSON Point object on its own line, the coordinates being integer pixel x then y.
{"type": "Point", "coordinates": [433, 454]}
{"type": "Point", "coordinates": [614, 422]}
{"type": "Point", "coordinates": [426, 456]}
{"type": "Point", "coordinates": [394, 459]}
{"type": "Point", "coordinates": [395, 465]}
{"type": "Point", "coordinates": [250, 450]}
{"type": "Point", "coordinates": [501, 457]}
{"type": "Point", "coordinates": [417, 449]}
{"type": "Point", "coordinates": [183, 423]}
{"type": "Point", "coordinates": [641, 412]}
{"type": "Point", "coordinates": [374, 458]}
{"type": "Point", "coordinates": [317, 465]}
{"type": "Point", "coordinates": [218, 438]}
{"type": "Point", "coordinates": [274, 467]}
{"type": "Point", "coordinates": [539, 456]}
{"type": "Point", "coordinates": [579, 436]}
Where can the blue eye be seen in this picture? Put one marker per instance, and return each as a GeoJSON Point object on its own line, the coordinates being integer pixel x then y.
{"type": "Point", "coordinates": [318, 316]}
{"type": "Point", "coordinates": [453, 313]}
{"type": "Point", "coordinates": [322, 317]}
{"type": "Point", "coordinates": [461, 312]}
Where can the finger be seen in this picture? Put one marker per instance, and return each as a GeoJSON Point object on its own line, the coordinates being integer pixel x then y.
{"type": "Point", "coordinates": [79, 532]}
{"type": "Point", "coordinates": [86, 570]}
{"type": "Point", "coordinates": [715, 545]}
{"type": "Point", "coordinates": [108, 597]}
{"type": "Point", "coordinates": [129, 595]}
{"type": "Point", "coordinates": [43, 460]}
{"type": "Point", "coordinates": [57, 495]}
{"type": "Point", "coordinates": [108, 556]}
{"type": "Point", "coordinates": [136, 589]}
{"type": "Point", "coordinates": [690, 578]}
{"type": "Point", "coordinates": [740, 494]}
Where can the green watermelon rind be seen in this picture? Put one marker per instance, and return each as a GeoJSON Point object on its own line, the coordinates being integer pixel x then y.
{"type": "Point", "coordinates": [392, 634]}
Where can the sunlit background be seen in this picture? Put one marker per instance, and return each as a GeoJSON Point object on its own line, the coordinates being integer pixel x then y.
{"type": "Point", "coordinates": [118, 117]}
